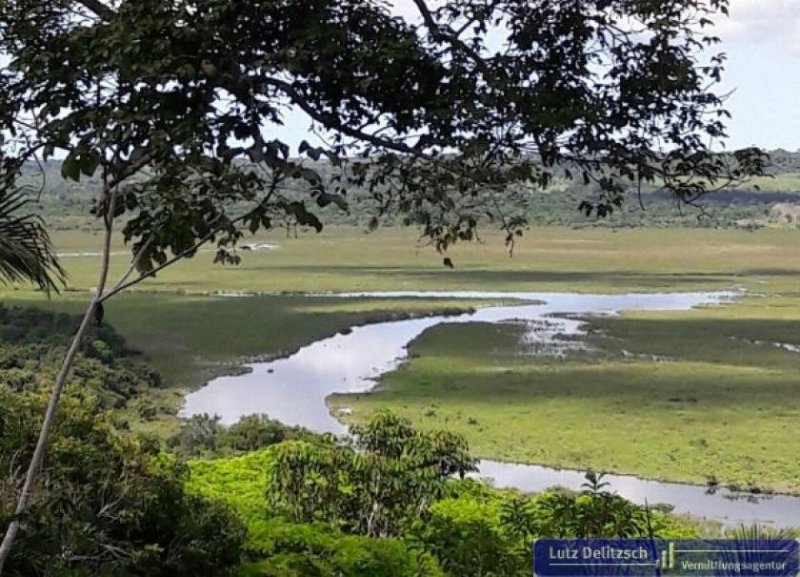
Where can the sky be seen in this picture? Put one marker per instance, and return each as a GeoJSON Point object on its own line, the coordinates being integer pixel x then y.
{"type": "Point", "coordinates": [762, 41]}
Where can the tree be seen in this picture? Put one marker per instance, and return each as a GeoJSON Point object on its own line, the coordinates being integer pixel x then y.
{"type": "Point", "coordinates": [107, 505]}
{"type": "Point", "coordinates": [170, 104]}
{"type": "Point", "coordinates": [25, 249]}
{"type": "Point", "coordinates": [379, 486]}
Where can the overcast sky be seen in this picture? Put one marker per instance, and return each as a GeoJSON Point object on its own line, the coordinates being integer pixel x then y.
{"type": "Point", "coordinates": [762, 39]}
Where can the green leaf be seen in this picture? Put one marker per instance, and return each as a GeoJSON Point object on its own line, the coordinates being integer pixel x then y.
{"type": "Point", "coordinates": [254, 225]}
{"type": "Point", "coordinates": [71, 168]}
{"type": "Point", "coordinates": [324, 199]}
{"type": "Point", "coordinates": [89, 162]}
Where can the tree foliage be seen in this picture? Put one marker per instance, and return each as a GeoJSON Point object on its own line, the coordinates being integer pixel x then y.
{"type": "Point", "coordinates": [318, 550]}
{"type": "Point", "coordinates": [204, 435]}
{"type": "Point", "coordinates": [106, 505]}
{"type": "Point", "coordinates": [309, 519]}
{"type": "Point", "coordinates": [377, 487]}
{"type": "Point", "coordinates": [173, 103]}
{"type": "Point", "coordinates": [32, 342]}
{"type": "Point", "coordinates": [479, 531]}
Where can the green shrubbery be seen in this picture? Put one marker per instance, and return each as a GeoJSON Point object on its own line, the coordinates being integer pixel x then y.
{"type": "Point", "coordinates": [33, 343]}
{"type": "Point", "coordinates": [377, 487]}
{"type": "Point", "coordinates": [319, 508]}
{"type": "Point", "coordinates": [106, 505]}
{"type": "Point", "coordinates": [318, 550]}
{"type": "Point", "coordinates": [277, 501]}
{"type": "Point", "coordinates": [204, 435]}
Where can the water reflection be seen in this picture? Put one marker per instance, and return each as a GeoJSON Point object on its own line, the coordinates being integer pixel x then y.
{"type": "Point", "coordinates": [727, 507]}
{"type": "Point", "coordinates": [293, 390]}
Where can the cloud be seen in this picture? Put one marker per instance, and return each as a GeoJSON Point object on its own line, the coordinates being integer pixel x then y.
{"type": "Point", "coordinates": [775, 22]}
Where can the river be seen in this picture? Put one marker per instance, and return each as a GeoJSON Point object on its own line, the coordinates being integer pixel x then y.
{"type": "Point", "coordinates": [293, 389]}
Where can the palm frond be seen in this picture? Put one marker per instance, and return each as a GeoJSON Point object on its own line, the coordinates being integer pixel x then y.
{"type": "Point", "coordinates": [26, 252]}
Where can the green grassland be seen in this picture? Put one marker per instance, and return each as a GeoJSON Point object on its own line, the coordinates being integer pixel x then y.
{"type": "Point", "coordinates": [714, 409]}
{"type": "Point", "coordinates": [783, 182]}
{"type": "Point", "coordinates": [191, 339]}
{"type": "Point", "coordinates": [714, 403]}
{"type": "Point", "coordinates": [559, 259]}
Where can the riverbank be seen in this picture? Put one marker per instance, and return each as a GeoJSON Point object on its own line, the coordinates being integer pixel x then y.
{"type": "Point", "coordinates": [701, 396]}
{"type": "Point", "coordinates": [724, 507]}
{"type": "Point", "coordinates": [347, 362]}
{"type": "Point", "coordinates": [193, 339]}
{"type": "Point", "coordinates": [190, 343]}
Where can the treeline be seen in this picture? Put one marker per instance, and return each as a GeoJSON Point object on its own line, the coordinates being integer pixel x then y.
{"type": "Point", "coordinates": [67, 204]}
{"type": "Point", "coordinates": [256, 498]}
{"type": "Point", "coordinates": [784, 161]}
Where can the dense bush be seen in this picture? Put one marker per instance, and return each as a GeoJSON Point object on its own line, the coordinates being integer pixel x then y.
{"type": "Point", "coordinates": [33, 343]}
{"type": "Point", "coordinates": [377, 487]}
{"type": "Point", "coordinates": [106, 505]}
{"type": "Point", "coordinates": [480, 531]}
{"type": "Point", "coordinates": [394, 485]}
{"type": "Point", "coordinates": [317, 550]}
{"type": "Point", "coordinates": [255, 432]}
{"type": "Point", "coordinates": [204, 435]}
{"type": "Point", "coordinates": [28, 326]}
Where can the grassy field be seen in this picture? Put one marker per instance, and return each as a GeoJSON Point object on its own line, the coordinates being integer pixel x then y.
{"type": "Point", "coordinates": [589, 260]}
{"type": "Point", "coordinates": [786, 182]}
{"type": "Point", "coordinates": [192, 339]}
{"type": "Point", "coordinates": [696, 396]}
{"type": "Point", "coordinates": [690, 399]}
{"type": "Point", "coordinates": [721, 404]}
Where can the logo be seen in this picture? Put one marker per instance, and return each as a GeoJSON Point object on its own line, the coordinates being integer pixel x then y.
{"type": "Point", "coordinates": [660, 557]}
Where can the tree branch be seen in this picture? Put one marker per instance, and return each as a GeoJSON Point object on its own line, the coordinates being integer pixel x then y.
{"type": "Point", "coordinates": [450, 36]}
{"type": "Point", "coordinates": [121, 286]}
{"type": "Point", "coordinates": [134, 263]}
{"type": "Point", "coordinates": [98, 8]}
{"type": "Point", "coordinates": [334, 123]}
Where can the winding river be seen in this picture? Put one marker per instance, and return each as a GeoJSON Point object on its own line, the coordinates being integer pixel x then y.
{"type": "Point", "coordinates": [293, 389]}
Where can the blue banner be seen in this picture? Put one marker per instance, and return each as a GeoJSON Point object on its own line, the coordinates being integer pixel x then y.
{"type": "Point", "coordinates": [657, 557]}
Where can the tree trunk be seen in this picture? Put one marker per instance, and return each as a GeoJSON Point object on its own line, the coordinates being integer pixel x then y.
{"type": "Point", "coordinates": [44, 432]}
{"type": "Point", "coordinates": [55, 393]}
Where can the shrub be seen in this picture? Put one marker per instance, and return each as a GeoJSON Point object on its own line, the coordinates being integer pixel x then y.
{"type": "Point", "coordinates": [317, 550]}
{"type": "Point", "coordinates": [107, 505]}
{"type": "Point", "coordinates": [204, 435]}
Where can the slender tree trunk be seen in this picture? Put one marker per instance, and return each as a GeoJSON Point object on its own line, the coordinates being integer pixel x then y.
{"type": "Point", "coordinates": [100, 296]}
{"type": "Point", "coordinates": [55, 393]}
